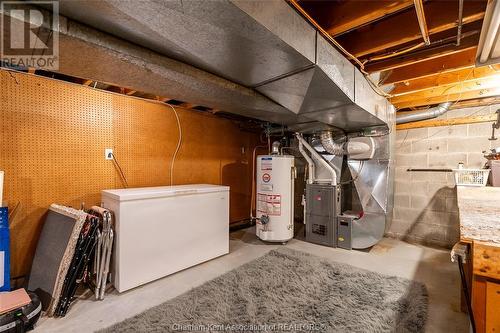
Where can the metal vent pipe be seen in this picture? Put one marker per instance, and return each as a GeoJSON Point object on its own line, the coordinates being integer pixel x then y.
{"type": "Point", "coordinates": [423, 115]}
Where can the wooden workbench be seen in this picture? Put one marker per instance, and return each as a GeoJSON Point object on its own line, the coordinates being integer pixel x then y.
{"type": "Point", "coordinates": [479, 211]}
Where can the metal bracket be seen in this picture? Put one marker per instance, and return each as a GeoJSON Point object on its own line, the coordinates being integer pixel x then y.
{"type": "Point", "coordinates": [495, 125]}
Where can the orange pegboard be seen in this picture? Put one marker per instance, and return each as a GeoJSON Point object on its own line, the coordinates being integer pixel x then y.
{"type": "Point", "coordinates": [53, 136]}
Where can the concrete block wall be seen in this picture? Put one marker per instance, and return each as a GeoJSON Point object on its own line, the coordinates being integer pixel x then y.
{"type": "Point", "coordinates": [425, 203]}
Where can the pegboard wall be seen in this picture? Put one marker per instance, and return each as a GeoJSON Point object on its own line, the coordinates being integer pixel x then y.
{"type": "Point", "coordinates": [53, 137]}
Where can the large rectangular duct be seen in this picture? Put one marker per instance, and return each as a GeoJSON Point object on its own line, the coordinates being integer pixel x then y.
{"type": "Point", "coordinates": [262, 46]}
{"type": "Point", "coordinates": [92, 54]}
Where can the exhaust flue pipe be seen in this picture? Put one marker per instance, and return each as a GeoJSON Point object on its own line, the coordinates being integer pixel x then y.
{"type": "Point", "coordinates": [315, 156]}
{"type": "Point", "coordinates": [423, 115]}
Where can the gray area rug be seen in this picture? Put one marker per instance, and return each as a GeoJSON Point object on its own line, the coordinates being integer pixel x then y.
{"type": "Point", "coordinates": [288, 290]}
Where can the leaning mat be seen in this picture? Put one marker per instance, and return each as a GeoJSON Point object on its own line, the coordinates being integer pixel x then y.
{"type": "Point", "coordinates": [54, 252]}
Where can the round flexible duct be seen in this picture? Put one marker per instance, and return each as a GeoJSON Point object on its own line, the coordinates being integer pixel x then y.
{"type": "Point", "coordinates": [358, 148]}
{"type": "Point", "coordinates": [331, 146]}
{"type": "Point", "coordinates": [423, 115]}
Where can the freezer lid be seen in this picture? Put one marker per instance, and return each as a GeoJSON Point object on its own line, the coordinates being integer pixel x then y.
{"type": "Point", "coordinates": [141, 193]}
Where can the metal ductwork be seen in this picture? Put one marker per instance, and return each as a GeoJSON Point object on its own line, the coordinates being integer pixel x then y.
{"type": "Point", "coordinates": [409, 117]}
{"type": "Point", "coordinates": [357, 148]}
{"type": "Point", "coordinates": [252, 46]}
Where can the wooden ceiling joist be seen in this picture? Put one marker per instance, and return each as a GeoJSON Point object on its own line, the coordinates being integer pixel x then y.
{"type": "Point", "coordinates": [162, 99]}
{"type": "Point", "coordinates": [115, 89]}
{"type": "Point", "coordinates": [187, 105]}
{"type": "Point", "coordinates": [476, 102]}
{"type": "Point", "coordinates": [461, 75]}
{"type": "Point", "coordinates": [413, 46]}
{"type": "Point", "coordinates": [403, 28]}
{"type": "Point", "coordinates": [424, 55]}
{"type": "Point", "coordinates": [465, 91]}
{"type": "Point", "coordinates": [448, 122]}
{"type": "Point", "coordinates": [338, 17]}
{"type": "Point", "coordinates": [452, 88]}
{"type": "Point", "coordinates": [443, 64]}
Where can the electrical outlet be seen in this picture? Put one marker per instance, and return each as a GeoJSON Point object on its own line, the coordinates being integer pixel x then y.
{"type": "Point", "coordinates": [108, 154]}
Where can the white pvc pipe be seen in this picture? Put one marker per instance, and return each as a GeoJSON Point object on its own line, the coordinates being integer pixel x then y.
{"type": "Point", "coordinates": [317, 156]}
{"type": "Point", "coordinates": [492, 33]}
{"type": "Point", "coordinates": [419, 9]}
{"type": "Point", "coordinates": [310, 163]}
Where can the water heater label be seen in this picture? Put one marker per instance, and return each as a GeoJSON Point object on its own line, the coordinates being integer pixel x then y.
{"type": "Point", "coordinates": [269, 204]}
{"type": "Point", "coordinates": [266, 163]}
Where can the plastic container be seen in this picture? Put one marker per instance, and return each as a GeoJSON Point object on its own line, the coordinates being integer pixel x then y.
{"type": "Point", "coordinates": [495, 172]}
{"type": "Point", "coordinates": [4, 250]}
{"type": "Point", "coordinates": [471, 177]}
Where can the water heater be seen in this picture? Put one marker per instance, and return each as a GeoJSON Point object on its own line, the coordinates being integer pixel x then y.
{"type": "Point", "coordinates": [274, 201]}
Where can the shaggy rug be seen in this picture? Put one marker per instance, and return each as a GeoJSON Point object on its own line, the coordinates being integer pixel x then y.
{"type": "Point", "coordinates": [288, 290]}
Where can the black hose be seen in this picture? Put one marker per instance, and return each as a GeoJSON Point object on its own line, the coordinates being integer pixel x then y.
{"type": "Point", "coordinates": [466, 293]}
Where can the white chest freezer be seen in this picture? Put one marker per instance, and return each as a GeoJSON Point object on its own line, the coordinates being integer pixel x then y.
{"type": "Point", "coordinates": [162, 230]}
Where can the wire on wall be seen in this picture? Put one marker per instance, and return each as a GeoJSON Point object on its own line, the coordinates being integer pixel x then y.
{"type": "Point", "coordinates": [120, 171]}
{"type": "Point", "coordinates": [179, 142]}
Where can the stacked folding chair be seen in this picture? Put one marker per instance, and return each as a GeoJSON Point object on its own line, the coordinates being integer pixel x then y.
{"type": "Point", "coordinates": [104, 247]}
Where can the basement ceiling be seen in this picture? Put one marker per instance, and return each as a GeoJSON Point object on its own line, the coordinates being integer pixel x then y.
{"type": "Point", "coordinates": [259, 59]}
{"type": "Point", "coordinates": [389, 38]}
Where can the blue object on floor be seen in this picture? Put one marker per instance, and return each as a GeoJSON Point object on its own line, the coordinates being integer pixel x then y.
{"type": "Point", "coordinates": [4, 250]}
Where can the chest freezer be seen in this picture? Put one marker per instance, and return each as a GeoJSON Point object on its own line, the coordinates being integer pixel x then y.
{"type": "Point", "coordinates": [162, 230]}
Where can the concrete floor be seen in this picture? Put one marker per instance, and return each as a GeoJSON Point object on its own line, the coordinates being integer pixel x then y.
{"type": "Point", "coordinates": [392, 257]}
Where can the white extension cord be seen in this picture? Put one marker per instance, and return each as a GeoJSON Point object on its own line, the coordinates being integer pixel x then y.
{"type": "Point", "coordinates": [178, 146]}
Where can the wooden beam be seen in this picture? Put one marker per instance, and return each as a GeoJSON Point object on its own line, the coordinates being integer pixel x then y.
{"type": "Point", "coordinates": [187, 105]}
{"type": "Point", "coordinates": [424, 55]}
{"type": "Point", "coordinates": [481, 90]}
{"type": "Point", "coordinates": [338, 17]}
{"type": "Point", "coordinates": [419, 9]}
{"type": "Point", "coordinates": [163, 99]}
{"type": "Point", "coordinates": [403, 28]}
{"type": "Point", "coordinates": [87, 82]}
{"type": "Point", "coordinates": [448, 122]}
{"type": "Point", "coordinates": [476, 102]}
{"type": "Point", "coordinates": [130, 92]}
{"type": "Point", "coordinates": [444, 64]}
{"type": "Point", "coordinates": [115, 89]}
{"type": "Point", "coordinates": [460, 75]}
{"type": "Point", "coordinates": [450, 89]}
